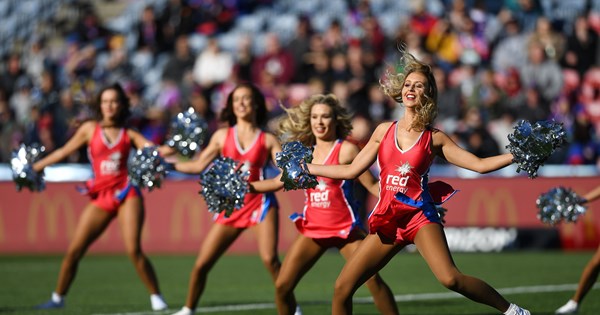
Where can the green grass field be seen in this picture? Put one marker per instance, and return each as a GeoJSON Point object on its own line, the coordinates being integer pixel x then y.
{"type": "Point", "coordinates": [107, 284]}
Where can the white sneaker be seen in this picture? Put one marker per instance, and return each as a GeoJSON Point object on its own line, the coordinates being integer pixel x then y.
{"type": "Point", "coordinates": [298, 310]}
{"type": "Point", "coordinates": [514, 309]}
{"type": "Point", "coordinates": [184, 311]}
{"type": "Point", "coordinates": [570, 308]}
{"type": "Point", "coordinates": [158, 303]}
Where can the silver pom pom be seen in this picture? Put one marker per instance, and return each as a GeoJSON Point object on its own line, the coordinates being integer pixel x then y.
{"type": "Point", "coordinates": [531, 145]}
{"type": "Point", "coordinates": [224, 186]}
{"type": "Point", "coordinates": [22, 167]}
{"type": "Point", "coordinates": [558, 204]}
{"type": "Point", "coordinates": [188, 132]}
{"type": "Point", "coordinates": [147, 168]}
{"type": "Point", "coordinates": [292, 160]}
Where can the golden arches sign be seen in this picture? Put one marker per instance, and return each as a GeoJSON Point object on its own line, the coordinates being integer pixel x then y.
{"type": "Point", "coordinates": [49, 208]}
{"type": "Point", "coordinates": [491, 203]}
{"type": "Point", "coordinates": [186, 206]}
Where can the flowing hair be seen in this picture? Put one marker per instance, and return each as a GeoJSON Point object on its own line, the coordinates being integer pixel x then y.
{"type": "Point", "coordinates": [296, 125]}
{"type": "Point", "coordinates": [393, 82]}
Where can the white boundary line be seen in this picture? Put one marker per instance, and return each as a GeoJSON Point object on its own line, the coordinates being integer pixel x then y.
{"type": "Point", "coordinates": [364, 300]}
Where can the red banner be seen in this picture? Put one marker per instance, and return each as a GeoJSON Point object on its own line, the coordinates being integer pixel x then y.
{"type": "Point", "coordinates": [177, 218]}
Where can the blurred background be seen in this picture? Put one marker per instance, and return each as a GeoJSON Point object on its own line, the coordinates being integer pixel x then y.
{"type": "Point", "coordinates": [496, 62]}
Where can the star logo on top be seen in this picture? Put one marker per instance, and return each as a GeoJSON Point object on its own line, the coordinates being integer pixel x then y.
{"type": "Point", "coordinates": [245, 167]}
{"type": "Point", "coordinates": [404, 168]}
{"type": "Point", "coordinates": [319, 198]}
{"type": "Point", "coordinates": [397, 182]}
{"type": "Point", "coordinates": [321, 185]}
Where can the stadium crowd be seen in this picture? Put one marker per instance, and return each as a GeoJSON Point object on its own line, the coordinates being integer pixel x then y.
{"type": "Point", "coordinates": [495, 62]}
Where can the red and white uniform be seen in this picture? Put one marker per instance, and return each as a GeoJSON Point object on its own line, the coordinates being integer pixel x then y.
{"type": "Point", "coordinates": [110, 185]}
{"type": "Point", "coordinates": [329, 209]}
{"type": "Point", "coordinates": [406, 199]}
{"type": "Point", "coordinates": [254, 159]}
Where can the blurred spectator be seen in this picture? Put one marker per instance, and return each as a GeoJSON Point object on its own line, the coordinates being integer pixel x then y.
{"type": "Point", "coordinates": [514, 92]}
{"type": "Point", "coordinates": [299, 47]}
{"type": "Point", "coordinates": [421, 21]}
{"type": "Point", "coordinates": [180, 64]}
{"type": "Point", "coordinates": [527, 13]}
{"type": "Point", "coordinates": [213, 17]}
{"type": "Point", "coordinates": [81, 63]}
{"type": "Point", "coordinates": [38, 59]}
{"type": "Point", "coordinates": [9, 132]}
{"type": "Point", "coordinates": [334, 39]}
{"type": "Point", "coordinates": [533, 109]}
{"type": "Point", "coordinates": [473, 46]}
{"type": "Point", "coordinates": [150, 37]}
{"type": "Point", "coordinates": [361, 75]}
{"type": "Point", "coordinates": [275, 62]}
{"type": "Point", "coordinates": [46, 97]}
{"type": "Point", "coordinates": [176, 18]}
{"type": "Point", "coordinates": [582, 148]}
{"type": "Point", "coordinates": [552, 41]}
{"type": "Point", "coordinates": [443, 43]}
{"type": "Point", "coordinates": [212, 66]}
{"type": "Point", "coordinates": [339, 67]}
{"type": "Point", "coordinates": [116, 67]}
{"type": "Point", "coordinates": [380, 106]}
{"type": "Point", "coordinates": [510, 52]}
{"type": "Point", "coordinates": [373, 40]}
{"type": "Point", "coordinates": [90, 30]}
{"type": "Point", "coordinates": [582, 47]}
{"type": "Point", "coordinates": [486, 96]}
{"type": "Point", "coordinates": [458, 14]}
{"type": "Point", "coordinates": [450, 102]}
{"type": "Point", "coordinates": [244, 58]}
{"type": "Point", "coordinates": [13, 70]}
{"type": "Point", "coordinates": [541, 73]}
{"type": "Point", "coordinates": [21, 101]}
{"type": "Point", "coordinates": [475, 136]}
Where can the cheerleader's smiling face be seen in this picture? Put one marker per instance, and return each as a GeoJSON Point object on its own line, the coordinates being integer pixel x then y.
{"type": "Point", "coordinates": [322, 122]}
{"type": "Point", "coordinates": [414, 87]}
{"type": "Point", "coordinates": [242, 103]}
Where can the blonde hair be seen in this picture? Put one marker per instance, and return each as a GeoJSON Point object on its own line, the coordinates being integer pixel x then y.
{"type": "Point", "coordinates": [393, 82]}
{"type": "Point", "coordinates": [296, 125]}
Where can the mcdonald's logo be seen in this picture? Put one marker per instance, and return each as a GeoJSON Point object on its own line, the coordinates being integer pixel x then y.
{"type": "Point", "coordinates": [186, 206]}
{"type": "Point", "coordinates": [49, 207]}
{"type": "Point", "coordinates": [491, 204]}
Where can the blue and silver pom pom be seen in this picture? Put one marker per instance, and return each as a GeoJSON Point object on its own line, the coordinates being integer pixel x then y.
{"type": "Point", "coordinates": [22, 167]}
{"type": "Point", "coordinates": [558, 204]}
{"type": "Point", "coordinates": [188, 132]}
{"type": "Point", "coordinates": [147, 168]}
{"type": "Point", "coordinates": [532, 145]}
{"type": "Point", "coordinates": [292, 160]}
{"type": "Point", "coordinates": [224, 186]}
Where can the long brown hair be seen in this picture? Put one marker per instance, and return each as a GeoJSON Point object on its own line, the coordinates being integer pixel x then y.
{"type": "Point", "coordinates": [258, 103]}
{"type": "Point", "coordinates": [124, 111]}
